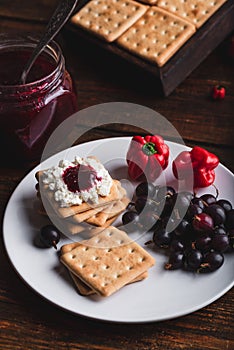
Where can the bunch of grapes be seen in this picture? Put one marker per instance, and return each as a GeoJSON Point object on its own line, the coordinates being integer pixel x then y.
{"type": "Point", "coordinates": [194, 231]}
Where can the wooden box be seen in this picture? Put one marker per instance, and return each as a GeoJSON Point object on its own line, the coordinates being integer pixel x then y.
{"type": "Point", "coordinates": [187, 58]}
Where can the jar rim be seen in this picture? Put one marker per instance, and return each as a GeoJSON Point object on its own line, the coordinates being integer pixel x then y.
{"type": "Point", "coordinates": [53, 49]}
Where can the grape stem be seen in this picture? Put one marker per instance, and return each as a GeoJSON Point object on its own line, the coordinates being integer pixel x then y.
{"type": "Point", "coordinates": [168, 266]}
{"type": "Point", "coordinates": [148, 242]}
{"type": "Point", "coordinates": [217, 191]}
{"type": "Point", "coordinates": [54, 245]}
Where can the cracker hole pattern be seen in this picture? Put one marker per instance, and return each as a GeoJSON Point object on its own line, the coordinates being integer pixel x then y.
{"type": "Point", "coordinates": [121, 241]}
{"type": "Point", "coordinates": [141, 259]}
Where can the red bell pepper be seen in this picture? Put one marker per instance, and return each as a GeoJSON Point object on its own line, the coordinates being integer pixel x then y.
{"type": "Point", "coordinates": [218, 92]}
{"type": "Point", "coordinates": [198, 162]}
{"type": "Point", "coordinates": [147, 156]}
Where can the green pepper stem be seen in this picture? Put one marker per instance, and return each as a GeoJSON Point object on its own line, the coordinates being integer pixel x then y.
{"type": "Point", "coordinates": [149, 148]}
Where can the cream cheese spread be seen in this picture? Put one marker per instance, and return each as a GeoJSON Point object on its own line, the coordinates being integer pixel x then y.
{"type": "Point", "coordinates": [53, 177]}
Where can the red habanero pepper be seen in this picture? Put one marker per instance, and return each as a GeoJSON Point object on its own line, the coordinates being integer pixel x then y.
{"type": "Point", "coordinates": [147, 156]}
{"type": "Point", "coordinates": [199, 163]}
{"type": "Point", "coordinates": [218, 92]}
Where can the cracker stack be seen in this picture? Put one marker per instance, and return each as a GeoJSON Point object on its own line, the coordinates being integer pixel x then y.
{"type": "Point", "coordinates": [154, 31]}
{"type": "Point", "coordinates": [105, 263]}
{"type": "Point", "coordinates": [86, 217]}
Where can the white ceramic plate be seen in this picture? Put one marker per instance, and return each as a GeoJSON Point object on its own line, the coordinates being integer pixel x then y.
{"type": "Point", "coordinates": [163, 295]}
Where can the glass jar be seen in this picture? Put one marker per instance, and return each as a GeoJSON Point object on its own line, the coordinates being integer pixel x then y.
{"type": "Point", "coordinates": [30, 112]}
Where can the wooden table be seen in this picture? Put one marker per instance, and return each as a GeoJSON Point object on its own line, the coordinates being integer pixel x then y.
{"type": "Point", "coordinates": [29, 322]}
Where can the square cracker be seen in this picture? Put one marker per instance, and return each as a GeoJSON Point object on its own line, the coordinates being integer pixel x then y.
{"type": "Point", "coordinates": [113, 207]}
{"type": "Point", "coordinates": [67, 226]}
{"type": "Point", "coordinates": [194, 11]}
{"type": "Point", "coordinates": [82, 288]}
{"type": "Point", "coordinates": [63, 212]}
{"type": "Point", "coordinates": [150, 2]}
{"type": "Point", "coordinates": [107, 261]}
{"type": "Point", "coordinates": [85, 290]}
{"type": "Point", "coordinates": [113, 210]}
{"type": "Point", "coordinates": [108, 19]}
{"type": "Point", "coordinates": [157, 36]}
{"type": "Point", "coordinates": [84, 228]}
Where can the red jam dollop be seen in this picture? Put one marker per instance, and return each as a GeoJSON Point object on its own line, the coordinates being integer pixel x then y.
{"type": "Point", "coordinates": [80, 178]}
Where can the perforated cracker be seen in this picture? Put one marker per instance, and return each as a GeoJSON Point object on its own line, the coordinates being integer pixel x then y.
{"type": "Point", "coordinates": [150, 2]}
{"type": "Point", "coordinates": [84, 227]}
{"type": "Point", "coordinates": [107, 261]}
{"type": "Point", "coordinates": [157, 36]}
{"type": "Point", "coordinates": [108, 19]}
{"type": "Point", "coordinates": [194, 11]}
{"type": "Point", "coordinates": [65, 212]}
{"type": "Point", "coordinates": [81, 217]}
{"type": "Point", "coordinates": [109, 212]}
{"type": "Point", "coordinates": [82, 288]}
{"type": "Point", "coordinates": [85, 290]}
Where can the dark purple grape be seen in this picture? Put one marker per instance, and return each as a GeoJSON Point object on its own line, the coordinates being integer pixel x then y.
{"type": "Point", "coordinates": [167, 206]}
{"type": "Point", "coordinates": [177, 245]}
{"type": "Point", "coordinates": [217, 213]}
{"type": "Point", "coordinates": [49, 236]}
{"type": "Point", "coordinates": [148, 219]}
{"type": "Point", "coordinates": [146, 189]}
{"type": "Point", "coordinates": [212, 261]}
{"type": "Point", "coordinates": [203, 243]}
{"type": "Point", "coordinates": [231, 238]}
{"type": "Point", "coordinates": [193, 259]}
{"type": "Point", "coordinates": [203, 222]}
{"type": "Point", "coordinates": [144, 203]}
{"type": "Point", "coordinates": [181, 202]}
{"type": "Point", "coordinates": [193, 210]}
{"type": "Point", "coordinates": [220, 243]}
{"type": "Point", "coordinates": [198, 201]}
{"type": "Point", "coordinates": [219, 230]}
{"type": "Point", "coordinates": [140, 203]}
{"type": "Point", "coordinates": [208, 199]}
{"type": "Point", "coordinates": [130, 219]}
{"type": "Point", "coordinates": [165, 192]}
{"type": "Point", "coordinates": [183, 228]}
{"type": "Point", "coordinates": [230, 220]}
{"type": "Point", "coordinates": [226, 205]}
{"type": "Point", "coordinates": [169, 223]}
{"type": "Point", "coordinates": [176, 260]}
{"type": "Point", "coordinates": [162, 238]}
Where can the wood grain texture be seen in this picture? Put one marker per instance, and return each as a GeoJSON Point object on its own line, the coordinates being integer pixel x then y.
{"type": "Point", "coordinates": [28, 321]}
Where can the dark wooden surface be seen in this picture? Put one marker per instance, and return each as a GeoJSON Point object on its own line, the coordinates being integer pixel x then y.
{"type": "Point", "coordinates": [29, 322]}
{"type": "Point", "coordinates": [187, 58]}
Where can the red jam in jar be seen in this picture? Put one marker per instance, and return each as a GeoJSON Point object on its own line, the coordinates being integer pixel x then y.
{"type": "Point", "coordinates": [30, 112]}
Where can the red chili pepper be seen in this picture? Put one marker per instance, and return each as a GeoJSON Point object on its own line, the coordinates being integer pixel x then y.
{"type": "Point", "coordinates": [147, 156]}
{"type": "Point", "coordinates": [218, 92]}
{"type": "Point", "coordinates": [199, 163]}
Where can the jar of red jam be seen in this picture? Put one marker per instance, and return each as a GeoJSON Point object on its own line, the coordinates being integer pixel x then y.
{"type": "Point", "coordinates": [30, 112]}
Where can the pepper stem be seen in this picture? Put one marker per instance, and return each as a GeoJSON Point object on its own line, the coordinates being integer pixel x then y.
{"type": "Point", "coordinates": [149, 148]}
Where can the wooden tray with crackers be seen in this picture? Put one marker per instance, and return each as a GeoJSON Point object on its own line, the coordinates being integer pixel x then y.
{"type": "Point", "coordinates": [168, 38]}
